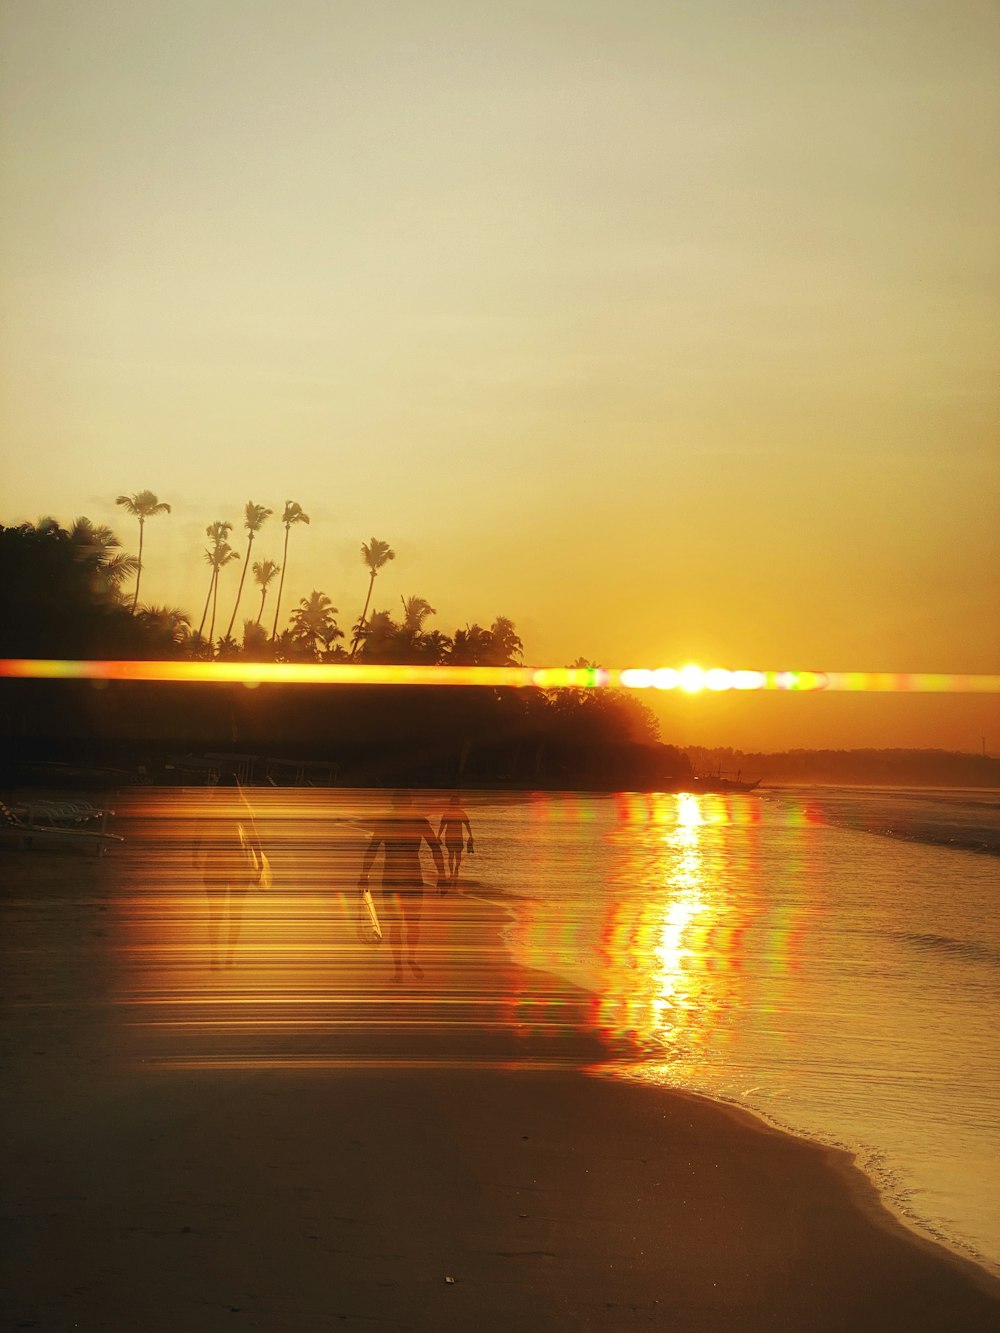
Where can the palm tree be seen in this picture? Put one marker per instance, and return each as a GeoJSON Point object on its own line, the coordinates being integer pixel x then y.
{"type": "Point", "coordinates": [378, 637]}
{"type": "Point", "coordinates": [434, 647]}
{"type": "Point", "coordinates": [217, 534]}
{"type": "Point", "coordinates": [383, 640]}
{"type": "Point", "coordinates": [142, 505]}
{"type": "Point", "coordinates": [165, 625]}
{"type": "Point", "coordinates": [470, 646]}
{"type": "Point", "coordinates": [411, 641]}
{"type": "Point", "coordinates": [255, 640]}
{"type": "Point", "coordinates": [221, 556]}
{"type": "Point", "coordinates": [255, 516]}
{"type": "Point", "coordinates": [506, 648]}
{"type": "Point", "coordinates": [313, 620]}
{"type": "Point", "coordinates": [293, 514]}
{"type": "Point", "coordinates": [93, 544]}
{"type": "Point", "coordinates": [330, 653]}
{"type": "Point", "coordinates": [263, 572]}
{"type": "Point", "coordinates": [415, 612]}
{"type": "Point", "coordinates": [208, 598]}
{"type": "Point", "coordinates": [375, 554]}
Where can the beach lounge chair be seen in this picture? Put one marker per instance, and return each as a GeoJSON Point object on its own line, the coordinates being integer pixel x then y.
{"type": "Point", "coordinates": [27, 826]}
{"type": "Point", "coordinates": [72, 814]}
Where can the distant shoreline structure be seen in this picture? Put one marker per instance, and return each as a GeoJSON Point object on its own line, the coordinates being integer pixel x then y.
{"type": "Point", "coordinates": [55, 765]}
{"type": "Point", "coordinates": [862, 767]}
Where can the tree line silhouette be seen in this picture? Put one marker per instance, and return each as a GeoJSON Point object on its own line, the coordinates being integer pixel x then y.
{"type": "Point", "coordinates": [68, 593]}
{"type": "Point", "coordinates": [85, 570]}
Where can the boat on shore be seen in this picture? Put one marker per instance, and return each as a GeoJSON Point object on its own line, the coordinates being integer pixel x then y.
{"type": "Point", "coordinates": [715, 782]}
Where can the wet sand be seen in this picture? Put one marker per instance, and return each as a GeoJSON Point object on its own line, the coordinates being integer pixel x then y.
{"type": "Point", "coordinates": [295, 1143]}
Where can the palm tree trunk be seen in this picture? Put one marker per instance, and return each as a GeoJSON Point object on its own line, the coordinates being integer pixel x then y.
{"type": "Point", "coordinates": [138, 572]}
{"type": "Point", "coordinates": [281, 584]}
{"type": "Point", "coordinates": [211, 585]}
{"type": "Point", "coordinates": [263, 596]}
{"type": "Point", "coordinates": [215, 603]}
{"type": "Point", "coordinates": [371, 584]}
{"type": "Point", "coordinates": [239, 590]}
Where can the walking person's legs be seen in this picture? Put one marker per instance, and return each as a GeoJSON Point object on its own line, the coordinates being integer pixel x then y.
{"type": "Point", "coordinates": [234, 910]}
{"type": "Point", "coordinates": [412, 905]}
{"type": "Point", "coordinates": [215, 896]}
{"type": "Point", "coordinates": [393, 913]}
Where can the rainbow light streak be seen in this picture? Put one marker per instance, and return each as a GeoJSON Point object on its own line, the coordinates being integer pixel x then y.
{"type": "Point", "coordinates": [688, 679]}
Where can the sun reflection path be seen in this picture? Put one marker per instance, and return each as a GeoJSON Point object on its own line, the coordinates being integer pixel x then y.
{"type": "Point", "coordinates": [697, 955]}
{"type": "Point", "coordinates": [662, 988]}
{"type": "Point", "coordinates": [689, 679]}
{"type": "Point", "coordinates": [674, 953]}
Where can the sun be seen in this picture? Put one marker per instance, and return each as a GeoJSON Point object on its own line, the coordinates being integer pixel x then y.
{"type": "Point", "coordinates": [691, 679]}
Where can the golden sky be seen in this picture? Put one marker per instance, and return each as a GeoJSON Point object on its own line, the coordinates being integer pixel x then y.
{"type": "Point", "coordinates": [669, 330]}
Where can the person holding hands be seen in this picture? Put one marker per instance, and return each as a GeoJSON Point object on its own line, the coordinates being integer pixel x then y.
{"type": "Point", "coordinates": [400, 834]}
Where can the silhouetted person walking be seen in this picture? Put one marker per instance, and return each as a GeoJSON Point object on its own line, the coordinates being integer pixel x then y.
{"type": "Point", "coordinates": [220, 852]}
{"type": "Point", "coordinates": [401, 833]}
{"type": "Point", "coordinates": [453, 823]}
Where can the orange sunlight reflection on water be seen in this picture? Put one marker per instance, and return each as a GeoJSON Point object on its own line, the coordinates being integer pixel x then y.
{"type": "Point", "coordinates": [663, 947]}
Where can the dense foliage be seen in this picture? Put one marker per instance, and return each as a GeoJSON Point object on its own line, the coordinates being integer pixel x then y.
{"type": "Point", "coordinates": [64, 596]}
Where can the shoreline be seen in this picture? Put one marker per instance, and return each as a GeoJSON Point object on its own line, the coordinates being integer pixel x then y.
{"type": "Point", "coordinates": [847, 1160]}
{"type": "Point", "coordinates": [297, 1144]}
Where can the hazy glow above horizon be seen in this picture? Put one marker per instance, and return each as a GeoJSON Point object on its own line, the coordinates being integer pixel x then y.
{"type": "Point", "coordinates": [670, 332]}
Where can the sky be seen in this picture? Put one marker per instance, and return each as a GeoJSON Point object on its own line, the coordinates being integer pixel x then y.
{"type": "Point", "coordinates": [668, 330]}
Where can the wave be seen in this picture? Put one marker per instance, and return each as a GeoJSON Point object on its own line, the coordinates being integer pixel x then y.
{"type": "Point", "coordinates": [985, 841]}
{"type": "Point", "coordinates": [957, 823]}
{"type": "Point", "coordinates": [968, 949]}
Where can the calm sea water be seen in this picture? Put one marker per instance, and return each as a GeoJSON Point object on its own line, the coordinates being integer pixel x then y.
{"type": "Point", "coordinates": [829, 959]}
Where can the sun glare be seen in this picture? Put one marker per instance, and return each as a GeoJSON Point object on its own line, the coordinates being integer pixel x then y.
{"type": "Point", "coordinates": [689, 679]}
{"type": "Point", "coordinates": [692, 679]}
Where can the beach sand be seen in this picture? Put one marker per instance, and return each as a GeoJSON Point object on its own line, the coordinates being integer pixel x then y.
{"type": "Point", "coordinates": [296, 1144]}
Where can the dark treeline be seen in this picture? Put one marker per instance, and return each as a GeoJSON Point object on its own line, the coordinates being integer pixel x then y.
{"type": "Point", "coordinates": [876, 768]}
{"type": "Point", "coordinates": [62, 595]}
{"type": "Point", "coordinates": [372, 735]}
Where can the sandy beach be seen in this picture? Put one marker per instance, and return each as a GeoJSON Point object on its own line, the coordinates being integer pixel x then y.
{"type": "Point", "coordinates": [294, 1143]}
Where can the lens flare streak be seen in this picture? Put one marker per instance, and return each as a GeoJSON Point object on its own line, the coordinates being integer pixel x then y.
{"type": "Point", "coordinates": [688, 679]}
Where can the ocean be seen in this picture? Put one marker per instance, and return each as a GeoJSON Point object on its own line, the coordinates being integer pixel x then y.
{"type": "Point", "coordinates": [828, 959]}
